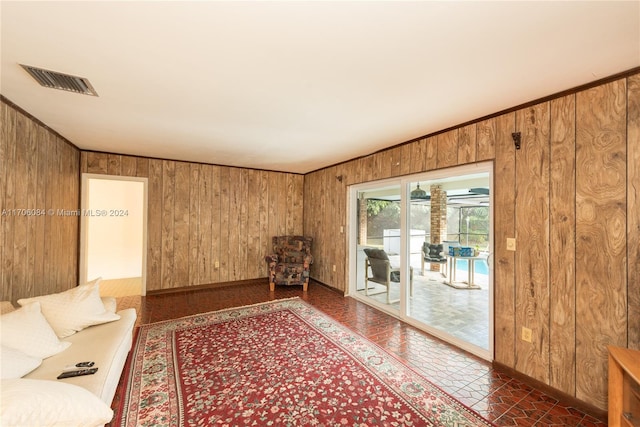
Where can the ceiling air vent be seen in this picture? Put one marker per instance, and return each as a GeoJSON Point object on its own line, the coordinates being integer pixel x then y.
{"type": "Point", "coordinates": [55, 80]}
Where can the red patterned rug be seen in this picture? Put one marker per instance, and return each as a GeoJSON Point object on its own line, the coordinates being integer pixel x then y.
{"type": "Point", "coordinates": [281, 363]}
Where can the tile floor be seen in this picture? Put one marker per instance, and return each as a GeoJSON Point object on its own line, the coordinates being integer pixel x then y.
{"type": "Point", "coordinates": [462, 313]}
{"type": "Point", "coordinates": [500, 399]}
{"type": "Point", "coordinates": [121, 287]}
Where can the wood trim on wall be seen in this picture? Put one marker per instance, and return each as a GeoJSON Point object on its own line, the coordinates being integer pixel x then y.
{"type": "Point", "coordinates": [205, 286]}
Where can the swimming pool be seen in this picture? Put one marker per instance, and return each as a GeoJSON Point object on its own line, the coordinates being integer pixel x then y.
{"type": "Point", "coordinates": [481, 266]}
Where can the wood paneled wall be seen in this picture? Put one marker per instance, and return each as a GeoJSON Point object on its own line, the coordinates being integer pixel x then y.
{"type": "Point", "coordinates": [633, 210]}
{"type": "Point", "coordinates": [570, 196]}
{"type": "Point", "coordinates": [601, 219]}
{"type": "Point", "coordinates": [208, 224]}
{"type": "Point", "coordinates": [39, 188]}
{"type": "Point", "coordinates": [562, 265]}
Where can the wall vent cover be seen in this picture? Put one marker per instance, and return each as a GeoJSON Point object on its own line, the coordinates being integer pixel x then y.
{"type": "Point", "coordinates": [55, 80]}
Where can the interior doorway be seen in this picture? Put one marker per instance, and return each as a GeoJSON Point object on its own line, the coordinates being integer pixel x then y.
{"type": "Point", "coordinates": [113, 229]}
{"type": "Point", "coordinates": [420, 249]}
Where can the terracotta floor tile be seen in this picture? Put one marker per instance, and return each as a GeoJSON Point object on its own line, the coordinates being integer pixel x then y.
{"type": "Point", "coordinates": [491, 410]}
{"type": "Point", "coordinates": [589, 421]}
{"type": "Point", "coordinates": [469, 397]}
{"type": "Point", "coordinates": [513, 391]}
{"type": "Point", "coordinates": [523, 414]}
{"type": "Point", "coordinates": [560, 416]}
{"type": "Point", "coordinates": [487, 384]}
{"type": "Point", "coordinates": [540, 401]}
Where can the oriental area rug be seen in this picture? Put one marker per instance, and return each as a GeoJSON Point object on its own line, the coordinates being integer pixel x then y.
{"type": "Point", "coordinates": [281, 363]}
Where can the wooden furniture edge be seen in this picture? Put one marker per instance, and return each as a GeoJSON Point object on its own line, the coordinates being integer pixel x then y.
{"type": "Point", "coordinates": [622, 361]}
{"type": "Point", "coordinates": [628, 358]}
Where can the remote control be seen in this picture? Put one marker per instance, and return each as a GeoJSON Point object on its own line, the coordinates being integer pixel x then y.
{"type": "Point", "coordinates": [79, 372]}
{"type": "Point", "coordinates": [78, 365]}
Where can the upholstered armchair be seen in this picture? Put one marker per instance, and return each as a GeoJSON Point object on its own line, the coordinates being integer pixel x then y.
{"type": "Point", "coordinates": [290, 261]}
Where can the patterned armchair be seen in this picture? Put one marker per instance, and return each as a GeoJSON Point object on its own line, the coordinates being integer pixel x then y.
{"type": "Point", "coordinates": [289, 264]}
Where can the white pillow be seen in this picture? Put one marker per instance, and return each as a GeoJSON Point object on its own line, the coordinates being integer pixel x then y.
{"type": "Point", "coordinates": [15, 363]}
{"type": "Point", "coordinates": [27, 402]}
{"type": "Point", "coordinates": [27, 330]}
{"type": "Point", "coordinates": [73, 310]}
{"type": "Point", "coordinates": [92, 282]}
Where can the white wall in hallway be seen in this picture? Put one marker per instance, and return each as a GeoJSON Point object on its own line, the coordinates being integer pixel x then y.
{"type": "Point", "coordinates": [114, 216]}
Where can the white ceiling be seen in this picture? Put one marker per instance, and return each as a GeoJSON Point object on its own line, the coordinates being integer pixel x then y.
{"type": "Point", "coordinates": [295, 86]}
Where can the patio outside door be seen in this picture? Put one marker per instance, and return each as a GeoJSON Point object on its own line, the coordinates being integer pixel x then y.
{"type": "Point", "coordinates": [400, 252]}
{"type": "Point", "coordinates": [378, 245]}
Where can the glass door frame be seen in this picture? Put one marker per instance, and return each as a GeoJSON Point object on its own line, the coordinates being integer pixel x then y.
{"type": "Point", "coordinates": [402, 313]}
{"type": "Point", "coordinates": [352, 243]}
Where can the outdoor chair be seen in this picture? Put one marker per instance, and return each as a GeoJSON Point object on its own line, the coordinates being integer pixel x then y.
{"type": "Point", "coordinates": [382, 272]}
{"type": "Point", "coordinates": [433, 253]}
{"type": "Point", "coordinates": [290, 261]}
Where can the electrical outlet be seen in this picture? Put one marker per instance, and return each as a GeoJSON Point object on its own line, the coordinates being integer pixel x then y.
{"type": "Point", "coordinates": [334, 267]}
{"type": "Point", "coordinates": [511, 244]}
{"type": "Point", "coordinates": [217, 264]}
{"type": "Point", "coordinates": [526, 334]}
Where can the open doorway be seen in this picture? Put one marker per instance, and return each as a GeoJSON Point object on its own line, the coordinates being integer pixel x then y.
{"type": "Point", "coordinates": [421, 250]}
{"type": "Point", "coordinates": [113, 231]}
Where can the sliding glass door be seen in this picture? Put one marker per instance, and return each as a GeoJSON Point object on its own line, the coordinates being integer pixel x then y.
{"type": "Point", "coordinates": [421, 250]}
{"type": "Point", "coordinates": [378, 243]}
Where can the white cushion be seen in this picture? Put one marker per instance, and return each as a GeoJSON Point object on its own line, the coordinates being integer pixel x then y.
{"type": "Point", "coordinates": [110, 304]}
{"type": "Point", "coordinates": [27, 330]}
{"type": "Point", "coordinates": [50, 403]}
{"type": "Point", "coordinates": [15, 363]}
{"type": "Point", "coordinates": [107, 345]}
{"type": "Point", "coordinates": [73, 310]}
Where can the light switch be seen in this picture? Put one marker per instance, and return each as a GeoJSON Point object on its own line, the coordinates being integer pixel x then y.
{"type": "Point", "coordinates": [511, 244]}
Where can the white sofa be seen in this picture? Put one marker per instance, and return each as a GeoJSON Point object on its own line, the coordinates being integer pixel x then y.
{"type": "Point", "coordinates": [38, 398]}
{"type": "Point", "coordinates": [107, 345]}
